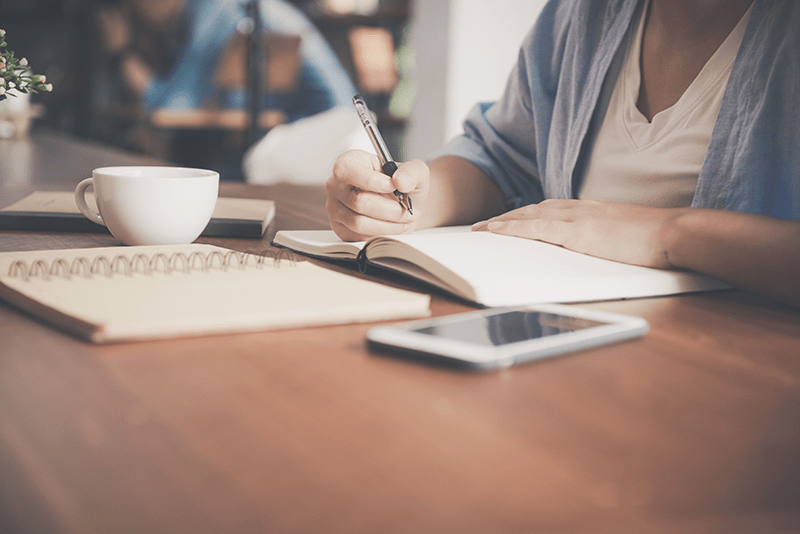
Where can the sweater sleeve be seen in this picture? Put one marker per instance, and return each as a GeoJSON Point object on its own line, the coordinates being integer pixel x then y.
{"type": "Point", "coordinates": [509, 139]}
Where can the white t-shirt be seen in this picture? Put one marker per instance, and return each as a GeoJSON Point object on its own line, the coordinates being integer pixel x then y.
{"type": "Point", "coordinates": [657, 163]}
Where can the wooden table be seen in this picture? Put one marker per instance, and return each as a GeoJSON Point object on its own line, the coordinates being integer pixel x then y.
{"type": "Point", "coordinates": [694, 428]}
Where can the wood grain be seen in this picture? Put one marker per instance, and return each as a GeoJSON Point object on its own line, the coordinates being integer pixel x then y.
{"type": "Point", "coordinates": [693, 428]}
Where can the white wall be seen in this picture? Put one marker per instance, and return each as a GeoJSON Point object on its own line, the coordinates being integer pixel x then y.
{"type": "Point", "coordinates": [464, 51]}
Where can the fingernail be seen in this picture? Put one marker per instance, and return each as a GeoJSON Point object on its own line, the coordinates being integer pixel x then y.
{"type": "Point", "coordinates": [495, 225]}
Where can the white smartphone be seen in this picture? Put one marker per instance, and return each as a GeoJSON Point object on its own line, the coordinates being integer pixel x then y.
{"type": "Point", "coordinates": [500, 337]}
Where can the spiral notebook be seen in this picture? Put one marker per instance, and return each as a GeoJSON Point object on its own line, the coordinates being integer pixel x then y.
{"type": "Point", "coordinates": [127, 293]}
{"type": "Point", "coordinates": [498, 270]}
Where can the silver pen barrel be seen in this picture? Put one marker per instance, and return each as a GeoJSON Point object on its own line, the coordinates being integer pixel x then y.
{"type": "Point", "coordinates": [372, 131]}
{"type": "Point", "coordinates": [388, 166]}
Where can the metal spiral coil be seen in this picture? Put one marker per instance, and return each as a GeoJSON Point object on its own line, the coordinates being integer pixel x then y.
{"type": "Point", "coordinates": [147, 265]}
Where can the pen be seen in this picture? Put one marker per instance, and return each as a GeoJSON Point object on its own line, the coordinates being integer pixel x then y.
{"type": "Point", "coordinates": [388, 166]}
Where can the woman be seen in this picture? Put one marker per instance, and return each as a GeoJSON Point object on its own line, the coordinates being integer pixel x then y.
{"type": "Point", "coordinates": [661, 133]}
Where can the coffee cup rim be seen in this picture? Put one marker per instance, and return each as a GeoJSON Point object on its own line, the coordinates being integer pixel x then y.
{"type": "Point", "coordinates": [119, 171]}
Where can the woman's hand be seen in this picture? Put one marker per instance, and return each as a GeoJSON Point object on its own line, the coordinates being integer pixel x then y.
{"type": "Point", "coordinates": [361, 201]}
{"type": "Point", "coordinates": [621, 232]}
{"type": "Point", "coordinates": [750, 251]}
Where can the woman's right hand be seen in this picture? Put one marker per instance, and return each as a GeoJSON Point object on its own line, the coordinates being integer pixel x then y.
{"type": "Point", "coordinates": [361, 201]}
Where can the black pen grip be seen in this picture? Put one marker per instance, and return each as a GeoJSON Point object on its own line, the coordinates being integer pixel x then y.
{"type": "Point", "coordinates": [388, 168]}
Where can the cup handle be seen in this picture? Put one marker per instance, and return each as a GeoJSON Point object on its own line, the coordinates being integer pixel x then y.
{"type": "Point", "coordinates": [80, 200]}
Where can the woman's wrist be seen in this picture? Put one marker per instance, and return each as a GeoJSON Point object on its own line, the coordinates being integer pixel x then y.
{"type": "Point", "coordinates": [673, 237]}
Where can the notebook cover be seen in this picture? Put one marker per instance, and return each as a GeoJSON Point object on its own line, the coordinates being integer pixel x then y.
{"type": "Point", "coordinates": [114, 294]}
{"type": "Point", "coordinates": [56, 212]}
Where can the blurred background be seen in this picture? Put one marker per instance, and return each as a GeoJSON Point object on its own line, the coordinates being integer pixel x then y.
{"type": "Point", "coordinates": [204, 82]}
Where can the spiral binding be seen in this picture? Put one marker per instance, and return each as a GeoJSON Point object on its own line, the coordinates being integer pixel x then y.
{"type": "Point", "coordinates": [147, 265]}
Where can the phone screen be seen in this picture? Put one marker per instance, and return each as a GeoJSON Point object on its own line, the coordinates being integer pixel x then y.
{"type": "Point", "coordinates": [508, 327]}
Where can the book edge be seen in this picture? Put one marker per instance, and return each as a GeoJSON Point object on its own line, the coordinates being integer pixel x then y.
{"type": "Point", "coordinates": [347, 250]}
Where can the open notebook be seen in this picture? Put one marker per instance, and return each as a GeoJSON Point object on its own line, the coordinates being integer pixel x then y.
{"type": "Point", "coordinates": [497, 270]}
{"type": "Point", "coordinates": [124, 293]}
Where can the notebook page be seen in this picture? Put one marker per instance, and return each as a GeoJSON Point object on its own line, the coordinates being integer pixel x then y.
{"type": "Point", "coordinates": [498, 270]}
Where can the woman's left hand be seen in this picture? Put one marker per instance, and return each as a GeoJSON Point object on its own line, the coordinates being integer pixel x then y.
{"type": "Point", "coordinates": [746, 250]}
{"type": "Point", "coordinates": [621, 232]}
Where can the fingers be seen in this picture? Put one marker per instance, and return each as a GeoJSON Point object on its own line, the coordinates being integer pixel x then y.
{"type": "Point", "coordinates": [362, 170]}
{"type": "Point", "coordinates": [344, 197]}
{"type": "Point", "coordinates": [348, 205]}
{"type": "Point", "coordinates": [547, 209]}
{"type": "Point", "coordinates": [553, 221]}
{"type": "Point", "coordinates": [351, 225]}
{"type": "Point", "coordinates": [553, 231]}
{"type": "Point", "coordinates": [619, 232]}
{"type": "Point", "coordinates": [362, 228]}
{"type": "Point", "coordinates": [361, 202]}
{"type": "Point", "coordinates": [412, 176]}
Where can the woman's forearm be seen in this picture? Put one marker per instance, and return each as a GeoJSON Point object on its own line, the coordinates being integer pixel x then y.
{"type": "Point", "coordinates": [460, 193]}
{"type": "Point", "coordinates": [754, 252]}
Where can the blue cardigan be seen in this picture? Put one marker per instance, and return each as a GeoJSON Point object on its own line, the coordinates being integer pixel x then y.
{"type": "Point", "coordinates": [531, 142]}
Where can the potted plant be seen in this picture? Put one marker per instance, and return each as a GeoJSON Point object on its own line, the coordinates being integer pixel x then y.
{"type": "Point", "coordinates": [17, 80]}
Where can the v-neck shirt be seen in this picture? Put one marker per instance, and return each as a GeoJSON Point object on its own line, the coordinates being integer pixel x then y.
{"type": "Point", "coordinates": [657, 163]}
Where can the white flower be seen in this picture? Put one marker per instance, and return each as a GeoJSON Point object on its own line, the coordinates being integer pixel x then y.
{"type": "Point", "coordinates": [48, 87]}
{"type": "Point", "coordinates": [2, 91]}
{"type": "Point", "coordinates": [2, 33]}
{"type": "Point", "coordinates": [23, 62]}
{"type": "Point", "coordinates": [42, 79]}
{"type": "Point", "coordinates": [2, 82]}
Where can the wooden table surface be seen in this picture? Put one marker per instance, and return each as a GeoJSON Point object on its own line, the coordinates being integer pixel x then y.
{"type": "Point", "coordinates": [693, 428]}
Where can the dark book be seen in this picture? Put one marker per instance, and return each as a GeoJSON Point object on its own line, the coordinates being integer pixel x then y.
{"type": "Point", "coordinates": [55, 211]}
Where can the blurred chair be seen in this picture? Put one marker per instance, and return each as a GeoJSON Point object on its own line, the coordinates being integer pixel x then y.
{"type": "Point", "coordinates": [281, 63]}
{"type": "Point", "coordinates": [373, 54]}
{"type": "Point", "coordinates": [281, 68]}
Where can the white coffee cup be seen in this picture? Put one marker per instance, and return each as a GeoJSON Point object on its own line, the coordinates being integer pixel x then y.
{"type": "Point", "coordinates": [151, 205]}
